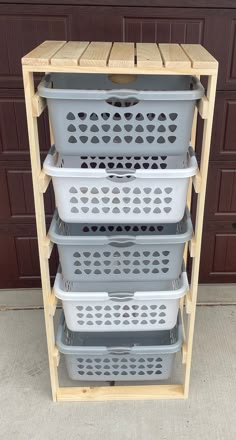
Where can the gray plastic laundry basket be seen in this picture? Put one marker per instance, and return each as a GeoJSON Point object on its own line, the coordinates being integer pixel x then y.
{"type": "Point", "coordinates": [111, 252]}
{"type": "Point", "coordinates": [131, 356]}
{"type": "Point", "coordinates": [90, 115]}
{"type": "Point", "coordinates": [120, 189]}
{"type": "Point", "coordinates": [120, 306]}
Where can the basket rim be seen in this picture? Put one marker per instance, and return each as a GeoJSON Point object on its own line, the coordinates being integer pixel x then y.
{"type": "Point", "coordinates": [105, 238]}
{"type": "Point", "coordinates": [176, 291]}
{"type": "Point", "coordinates": [45, 90]}
{"type": "Point", "coordinates": [103, 350]}
{"type": "Point", "coordinates": [51, 167]}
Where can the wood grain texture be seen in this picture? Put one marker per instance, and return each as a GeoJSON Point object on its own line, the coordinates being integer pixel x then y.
{"type": "Point", "coordinates": [102, 57]}
{"type": "Point", "coordinates": [143, 392]}
{"type": "Point", "coordinates": [148, 55]}
{"type": "Point", "coordinates": [122, 55]}
{"type": "Point", "coordinates": [206, 143]}
{"type": "Point", "coordinates": [174, 56]}
{"type": "Point", "coordinates": [96, 54]}
{"type": "Point", "coordinates": [203, 105]}
{"type": "Point", "coordinates": [42, 54]}
{"type": "Point", "coordinates": [199, 56]}
{"type": "Point", "coordinates": [69, 54]}
{"type": "Point", "coordinates": [32, 123]}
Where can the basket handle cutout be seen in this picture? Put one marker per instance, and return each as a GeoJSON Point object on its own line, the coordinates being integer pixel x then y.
{"type": "Point", "coordinates": [115, 296]}
{"type": "Point", "coordinates": [121, 179]}
{"type": "Point", "coordinates": [123, 244]}
{"type": "Point", "coordinates": [125, 102]}
{"type": "Point", "coordinates": [119, 350]}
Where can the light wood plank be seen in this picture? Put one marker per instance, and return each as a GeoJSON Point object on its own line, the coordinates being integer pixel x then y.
{"type": "Point", "coordinates": [203, 105]}
{"type": "Point", "coordinates": [38, 105]}
{"type": "Point", "coordinates": [192, 246]}
{"type": "Point", "coordinates": [122, 55]}
{"type": "Point", "coordinates": [188, 303]}
{"type": "Point", "coordinates": [199, 56]}
{"type": "Point", "coordinates": [148, 55]}
{"type": "Point", "coordinates": [142, 392]}
{"type": "Point", "coordinates": [184, 353]}
{"type": "Point", "coordinates": [56, 356]}
{"type": "Point", "coordinates": [174, 56]}
{"type": "Point", "coordinates": [197, 181]}
{"type": "Point", "coordinates": [123, 70]}
{"type": "Point", "coordinates": [48, 247]}
{"type": "Point", "coordinates": [43, 182]}
{"type": "Point", "coordinates": [53, 304]}
{"type": "Point", "coordinates": [69, 54]}
{"type": "Point", "coordinates": [32, 122]}
{"type": "Point", "coordinates": [206, 143]}
{"type": "Point", "coordinates": [41, 55]}
{"type": "Point", "coordinates": [96, 54]}
{"type": "Point", "coordinates": [189, 194]}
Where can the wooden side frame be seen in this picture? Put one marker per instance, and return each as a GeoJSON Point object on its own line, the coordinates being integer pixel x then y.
{"type": "Point", "coordinates": [206, 144]}
{"type": "Point", "coordinates": [40, 183]}
{"type": "Point", "coordinates": [28, 79]}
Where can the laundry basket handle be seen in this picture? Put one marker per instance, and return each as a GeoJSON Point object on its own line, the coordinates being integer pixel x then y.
{"type": "Point", "coordinates": [121, 173]}
{"type": "Point", "coordinates": [124, 297]}
{"type": "Point", "coordinates": [121, 244]}
{"type": "Point", "coordinates": [119, 350]}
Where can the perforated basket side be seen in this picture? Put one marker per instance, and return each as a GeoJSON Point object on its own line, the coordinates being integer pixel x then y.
{"type": "Point", "coordinates": [119, 362]}
{"type": "Point", "coordinates": [120, 310]}
{"type": "Point", "coordinates": [122, 121]}
{"type": "Point", "coordinates": [100, 234]}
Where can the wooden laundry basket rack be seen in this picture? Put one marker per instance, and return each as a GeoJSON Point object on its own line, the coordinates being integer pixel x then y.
{"type": "Point", "coordinates": [119, 59]}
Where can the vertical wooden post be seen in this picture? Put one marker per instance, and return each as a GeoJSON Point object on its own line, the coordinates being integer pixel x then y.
{"type": "Point", "coordinates": [189, 199]}
{"type": "Point", "coordinates": [206, 142]}
{"type": "Point", "coordinates": [28, 78]}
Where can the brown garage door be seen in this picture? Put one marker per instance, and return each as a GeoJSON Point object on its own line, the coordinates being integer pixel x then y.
{"type": "Point", "coordinates": [23, 26]}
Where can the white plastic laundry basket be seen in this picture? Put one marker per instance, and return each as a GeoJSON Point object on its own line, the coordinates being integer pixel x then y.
{"type": "Point", "coordinates": [120, 189]}
{"type": "Point", "coordinates": [100, 307]}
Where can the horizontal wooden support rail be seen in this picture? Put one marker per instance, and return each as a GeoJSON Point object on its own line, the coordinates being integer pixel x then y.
{"type": "Point", "coordinates": [188, 303]}
{"type": "Point", "coordinates": [43, 182]}
{"type": "Point", "coordinates": [197, 181]}
{"type": "Point", "coordinates": [130, 392]}
{"type": "Point", "coordinates": [38, 105]}
{"type": "Point", "coordinates": [184, 353]}
{"type": "Point", "coordinates": [203, 107]}
{"type": "Point", "coordinates": [192, 247]}
{"type": "Point", "coordinates": [52, 303]}
{"type": "Point", "coordinates": [48, 247]}
{"type": "Point", "coordinates": [56, 356]}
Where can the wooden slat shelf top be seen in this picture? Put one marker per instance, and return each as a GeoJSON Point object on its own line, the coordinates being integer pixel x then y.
{"type": "Point", "coordinates": [105, 57]}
